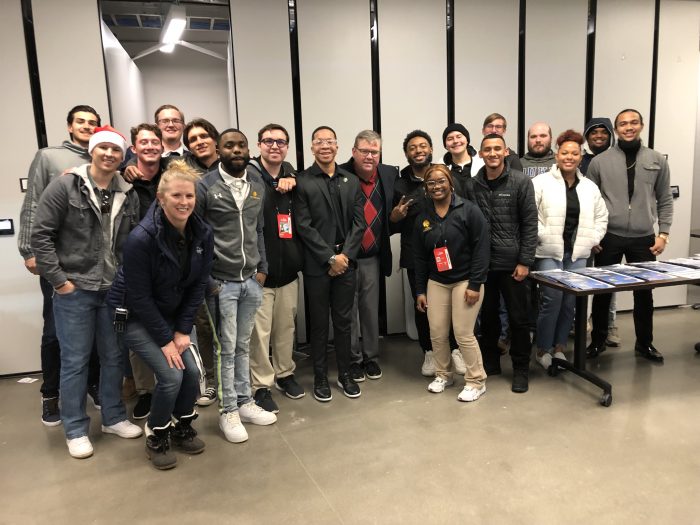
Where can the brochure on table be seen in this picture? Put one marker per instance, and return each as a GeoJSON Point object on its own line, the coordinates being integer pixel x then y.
{"type": "Point", "coordinates": [574, 280]}
{"type": "Point", "coordinates": [607, 276]}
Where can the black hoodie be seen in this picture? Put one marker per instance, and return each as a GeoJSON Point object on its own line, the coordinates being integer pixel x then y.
{"type": "Point", "coordinates": [595, 122]}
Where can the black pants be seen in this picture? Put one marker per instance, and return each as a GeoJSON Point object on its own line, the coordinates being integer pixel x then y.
{"type": "Point", "coordinates": [338, 294]}
{"type": "Point", "coordinates": [51, 351]}
{"type": "Point", "coordinates": [634, 249]}
{"type": "Point", "coordinates": [421, 319]}
{"type": "Point", "coordinates": [516, 295]}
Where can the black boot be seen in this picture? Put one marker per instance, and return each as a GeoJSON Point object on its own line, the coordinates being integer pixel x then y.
{"type": "Point", "coordinates": [158, 448]}
{"type": "Point", "coordinates": [185, 437]}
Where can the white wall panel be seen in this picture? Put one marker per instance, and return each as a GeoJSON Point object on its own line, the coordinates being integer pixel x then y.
{"type": "Point", "coordinates": [335, 70]}
{"type": "Point", "coordinates": [263, 68]}
{"type": "Point", "coordinates": [413, 75]}
{"type": "Point", "coordinates": [623, 56]}
{"type": "Point", "coordinates": [20, 297]}
{"type": "Point", "coordinates": [555, 58]}
{"type": "Point", "coordinates": [676, 104]}
{"type": "Point", "coordinates": [486, 65]}
{"type": "Point", "coordinates": [126, 91]}
{"type": "Point", "coordinates": [71, 64]}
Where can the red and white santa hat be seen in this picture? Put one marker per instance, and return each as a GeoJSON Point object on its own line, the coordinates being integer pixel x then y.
{"type": "Point", "coordinates": [107, 134]}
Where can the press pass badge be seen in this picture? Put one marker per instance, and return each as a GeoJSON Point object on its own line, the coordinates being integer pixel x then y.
{"type": "Point", "coordinates": [442, 259]}
{"type": "Point", "coordinates": [284, 225]}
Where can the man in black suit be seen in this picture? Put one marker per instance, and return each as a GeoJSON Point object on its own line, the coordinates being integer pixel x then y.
{"type": "Point", "coordinates": [377, 191]}
{"type": "Point", "coordinates": [330, 222]}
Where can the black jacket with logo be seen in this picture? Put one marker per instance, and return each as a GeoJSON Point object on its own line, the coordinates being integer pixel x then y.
{"type": "Point", "coordinates": [511, 212]}
{"type": "Point", "coordinates": [412, 188]}
{"type": "Point", "coordinates": [464, 232]}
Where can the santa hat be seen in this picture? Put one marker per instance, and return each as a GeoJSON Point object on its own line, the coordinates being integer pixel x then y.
{"type": "Point", "coordinates": [107, 134]}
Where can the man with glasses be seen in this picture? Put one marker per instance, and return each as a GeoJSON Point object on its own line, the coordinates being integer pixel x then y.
{"type": "Point", "coordinates": [496, 123]}
{"type": "Point", "coordinates": [171, 122]}
{"type": "Point", "coordinates": [82, 220]}
{"type": "Point", "coordinates": [275, 321]}
{"type": "Point", "coordinates": [374, 258]}
{"type": "Point", "coordinates": [330, 222]}
{"type": "Point", "coordinates": [49, 163]}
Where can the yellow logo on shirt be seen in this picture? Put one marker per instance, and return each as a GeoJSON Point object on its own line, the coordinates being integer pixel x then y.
{"type": "Point", "coordinates": [254, 195]}
{"type": "Point", "coordinates": [426, 225]}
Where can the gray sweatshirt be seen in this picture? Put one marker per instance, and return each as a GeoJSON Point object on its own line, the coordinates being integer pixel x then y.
{"type": "Point", "coordinates": [651, 201]}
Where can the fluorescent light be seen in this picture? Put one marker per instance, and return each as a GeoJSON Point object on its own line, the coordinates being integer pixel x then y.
{"type": "Point", "coordinates": [167, 48]}
{"type": "Point", "coordinates": [175, 24]}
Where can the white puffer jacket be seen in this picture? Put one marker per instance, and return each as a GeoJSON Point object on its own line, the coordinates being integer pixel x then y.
{"type": "Point", "coordinates": [550, 197]}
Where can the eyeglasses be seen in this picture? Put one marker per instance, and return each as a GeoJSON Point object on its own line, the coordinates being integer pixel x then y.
{"type": "Point", "coordinates": [281, 143]}
{"type": "Point", "coordinates": [369, 152]}
{"type": "Point", "coordinates": [494, 126]}
{"type": "Point", "coordinates": [174, 121]}
{"type": "Point", "coordinates": [325, 142]}
{"type": "Point", "coordinates": [105, 201]}
{"type": "Point", "coordinates": [438, 182]}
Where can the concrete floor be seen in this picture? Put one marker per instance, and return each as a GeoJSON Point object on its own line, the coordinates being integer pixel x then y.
{"type": "Point", "coordinates": [399, 454]}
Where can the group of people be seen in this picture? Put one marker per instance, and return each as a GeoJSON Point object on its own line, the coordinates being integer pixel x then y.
{"type": "Point", "coordinates": [171, 267]}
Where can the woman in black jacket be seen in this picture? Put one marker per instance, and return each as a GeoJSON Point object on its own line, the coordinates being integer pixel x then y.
{"type": "Point", "coordinates": [166, 266]}
{"type": "Point", "coordinates": [451, 250]}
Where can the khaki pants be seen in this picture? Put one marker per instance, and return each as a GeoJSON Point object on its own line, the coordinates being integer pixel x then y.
{"type": "Point", "coordinates": [446, 305]}
{"type": "Point", "coordinates": [274, 326]}
{"type": "Point", "coordinates": [143, 375]}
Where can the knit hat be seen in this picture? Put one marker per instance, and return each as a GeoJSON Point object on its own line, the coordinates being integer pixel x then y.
{"type": "Point", "coordinates": [455, 127]}
{"type": "Point", "coordinates": [107, 134]}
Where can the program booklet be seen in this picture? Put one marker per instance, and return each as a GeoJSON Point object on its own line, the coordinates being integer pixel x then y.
{"type": "Point", "coordinates": [640, 273]}
{"type": "Point", "coordinates": [574, 280]}
{"type": "Point", "coordinates": [607, 276]}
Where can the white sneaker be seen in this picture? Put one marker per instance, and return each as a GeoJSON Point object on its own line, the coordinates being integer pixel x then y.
{"type": "Point", "coordinates": [428, 368]}
{"type": "Point", "coordinates": [560, 355]}
{"type": "Point", "coordinates": [123, 429]}
{"type": "Point", "coordinates": [252, 413]}
{"type": "Point", "coordinates": [233, 429]}
{"type": "Point", "coordinates": [458, 362]}
{"type": "Point", "coordinates": [545, 360]}
{"type": "Point", "coordinates": [470, 393]}
{"type": "Point", "coordinates": [438, 385]}
{"type": "Point", "coordinates": [79, 448]}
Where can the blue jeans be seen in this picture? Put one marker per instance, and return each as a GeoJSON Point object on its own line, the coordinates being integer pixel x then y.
{"type": "Point", "coordinates": [81, 318]}
{"type": "Point", "coordinates": [234, 309]}
{"type": "Point", "coordinates": [176, 390]}
{"type": "Point", "coordinates": [556, 308]}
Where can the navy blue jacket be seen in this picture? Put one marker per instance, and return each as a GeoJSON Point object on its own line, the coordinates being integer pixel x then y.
{"type": "Point", "coordinates": [150, 283]}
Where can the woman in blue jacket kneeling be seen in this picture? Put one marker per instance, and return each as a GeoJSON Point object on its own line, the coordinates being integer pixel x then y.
{"type": "Point", "coordinates": [166, 265]}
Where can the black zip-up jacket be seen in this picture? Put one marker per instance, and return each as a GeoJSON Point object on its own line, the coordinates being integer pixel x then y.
{"type": "Point", "coordinates": [511, 212]}
{"type": "Point", "coordinates": [285, 257]}
{"type": "Point", "coordinates": [465, 233]}
{"type": "Point", "coordinates": [412, 188]}
{"type": "Point", "coordinates": [460, 174]}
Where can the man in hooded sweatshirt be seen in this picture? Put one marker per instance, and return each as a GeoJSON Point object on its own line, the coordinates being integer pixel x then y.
{"type": "Point", "coordinates": [599, 138]}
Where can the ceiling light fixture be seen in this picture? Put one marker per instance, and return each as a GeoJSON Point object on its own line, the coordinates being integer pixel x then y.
{"type": "Point", "coordinates": [174, 26]}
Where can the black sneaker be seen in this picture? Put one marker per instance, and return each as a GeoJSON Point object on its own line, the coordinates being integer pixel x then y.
{"type": "Point", "coordinates": [94, 393]}
{"type": "Point", "coordinates": [356, 372]}
{"type": "Point", "coordinates": [290, 387]}
{"type": "Point", "coordinates": [263, 398]}
{"type": "Point", "coordinates": [349, 387]}
{"type": "Point", "coordinates": [143, 407]}
{"type": "Point", "coordinates": [372, 370]}
{"type": "Point", "coordinates": [595, 349]}
{"type": "Point", "coordinates": [50, 413]}
{"type": "Point", "coordinates": [648, 352]}
{"type": "Point", "coordinates": [520, 382]}
{"type": "Point", "coordinates": [322, 390]}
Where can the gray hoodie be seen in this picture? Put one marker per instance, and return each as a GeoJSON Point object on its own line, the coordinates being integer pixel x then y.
{"type": "Point", "coordinates": [651, 201]}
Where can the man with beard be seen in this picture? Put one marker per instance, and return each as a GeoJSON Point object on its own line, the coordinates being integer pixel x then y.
{"type": "Point", "coordinates": [539, 157]}
{"type": "Point", "coordinates": [635, 183]}
{"type": "Point", "coordinates": [330, 222]}
{"type": "Point", "coordinates": [49, 163]}
{"type": "Point", "coordinates": [409, 201]}
{"type": "Point", "coordinates": [231, 201]}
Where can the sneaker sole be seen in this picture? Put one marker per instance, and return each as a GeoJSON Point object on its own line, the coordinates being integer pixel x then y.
{"type": "Point", "coordinates": [50, 423]}
{"type": "Point", "coordinates": [471, 400]}
{"type": "Point", "coordinates": [234, 440]}
{"type": "Point", "coordinates": [323, 399]}
{"type": "Point", "coordinates": [374, 377]}
{"type": "Point", "coordinates": [288, 394]}
{"type": "Point", "coordinates": [161, 467]}
{"type": "Point", "coordinates": [81, 456]}
{"type": "Point", "coordinates": [141, 416]}
{"type": "Point", "coordinates": [274, 411]}
{"type": "Point", "coordinates": [351, 396]}
{"type": "Point", "coordinates": [205, 403]}
{"type": "Point", "coordinates": [249, 420]}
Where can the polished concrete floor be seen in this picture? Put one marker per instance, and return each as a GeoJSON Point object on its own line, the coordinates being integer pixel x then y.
{"type": "Point", "coordinates": [398, 454]}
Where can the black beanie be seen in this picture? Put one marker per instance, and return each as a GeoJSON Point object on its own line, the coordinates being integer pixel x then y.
{"type": "Point", "coordinates": [455, 127]}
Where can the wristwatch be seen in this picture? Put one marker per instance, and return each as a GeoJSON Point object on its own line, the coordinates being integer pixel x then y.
{"type": "Point", "coordinates": [331, 260]}
{"type": "Point", "coordinates": [664, 236]}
